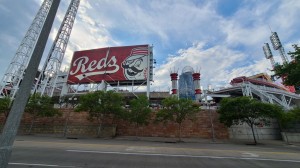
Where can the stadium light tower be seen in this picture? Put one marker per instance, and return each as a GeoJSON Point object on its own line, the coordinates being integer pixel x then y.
{"type": "Point", "coordinates": [278, 46]}
{"type": "Point", "coordinates": [48, 76]}
{"type": "Point", "coordinates": [15, 72]}
{"type": "Point", "coordinates": [268, 54]}
{"type": "Point", "coordinates": [12, 123]}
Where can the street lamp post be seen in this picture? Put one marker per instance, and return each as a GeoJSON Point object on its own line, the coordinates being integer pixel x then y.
{"type": "Point", "coordinates": [211, 121]}
{"type": "Point", "coordinates": [72, 101]}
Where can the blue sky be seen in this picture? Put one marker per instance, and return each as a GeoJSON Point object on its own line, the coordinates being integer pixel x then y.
{"type": "Point", "coordinates": [221, 38]}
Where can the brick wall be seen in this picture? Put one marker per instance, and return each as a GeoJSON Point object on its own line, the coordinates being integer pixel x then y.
{"type": "Point", "coordinates": [200, 126]}
{"type": "Point", "coordinates": [79, 125]}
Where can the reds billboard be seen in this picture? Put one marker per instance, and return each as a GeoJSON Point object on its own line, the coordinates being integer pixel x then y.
{"type": "Point", "coordinates": [112, 64]}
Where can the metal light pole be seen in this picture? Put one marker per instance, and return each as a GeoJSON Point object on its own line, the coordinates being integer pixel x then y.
{"type": "Point", "coordinates": [13, 121]}
{"type": "Point", "coordinates": [211, 122]}
{"type": "Point", "coordinates": [72, 101]}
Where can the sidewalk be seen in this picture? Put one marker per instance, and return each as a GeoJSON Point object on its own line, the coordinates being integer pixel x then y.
{"type": "Point", "coordinates": [248, 142]}
{"type": "Point", "coordinates": [208, 141]}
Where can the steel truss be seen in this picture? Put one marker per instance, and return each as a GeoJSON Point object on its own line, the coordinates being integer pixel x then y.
{"type": "Point", "coordinates": [283, 98]}
{"type": "Point", "coordinates": [48, 78]}
{"type": "Point", "coordinates": [16, 69]}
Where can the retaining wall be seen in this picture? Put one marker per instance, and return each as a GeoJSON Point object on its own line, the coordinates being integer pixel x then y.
{"type": "Point", "coordinates": [77, 124]}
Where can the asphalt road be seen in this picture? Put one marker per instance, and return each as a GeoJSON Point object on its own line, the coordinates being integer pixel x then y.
{"type": "Point", "coordinates": [41, 152]}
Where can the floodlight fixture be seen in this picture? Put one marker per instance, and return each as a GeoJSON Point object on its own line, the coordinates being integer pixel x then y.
{"type": "Point", "coordinates": [267, 51]}
{"type": "Point", "coordinates": [275, 41]}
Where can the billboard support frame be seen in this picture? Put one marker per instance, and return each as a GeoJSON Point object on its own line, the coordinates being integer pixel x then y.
{"type": "Point", "coordinates": [148, 75]}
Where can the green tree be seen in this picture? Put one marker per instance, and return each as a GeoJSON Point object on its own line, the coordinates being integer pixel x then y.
{"type": "Point", "coordinates": [5, 107]}
{"type": "Point", "coordinates": [288, 119]}
{"type": "Point", "coordinates": [139, 112]}
{"type": "Point", "coordinates": [40, 106]}
{"type": "Point", "coordinates": [101, 105]}
{"type": "Point", "coordinates": [295, 112]}
{"type": "Point", "coordinates": [290, 71]}
{"type": "Point", "coordinates": [236, 111]}
{"type": "Point", "coordinates": [177, 110]}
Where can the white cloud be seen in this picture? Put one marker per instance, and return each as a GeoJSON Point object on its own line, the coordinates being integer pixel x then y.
{"type": "Point", "coordinates": [86, 34]}
{"type": "Point", "coordinates": [86, 4]}
{"type": "Point", "coordinates": [184, 33]}
{"type": "Point", "coordinates": [218, 65]}
{"type": "Point", "coordinates": [212, 61]}
{"type": "Point", "coordinates": [286, 18]}
{"type": "Point", "coordinates": [83, 15]}
{"type": "Point", "coordinates": [166, 20]}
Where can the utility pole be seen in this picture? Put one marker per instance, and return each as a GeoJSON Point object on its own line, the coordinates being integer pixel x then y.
{"type": "Point", "coordinates": [13, 121]}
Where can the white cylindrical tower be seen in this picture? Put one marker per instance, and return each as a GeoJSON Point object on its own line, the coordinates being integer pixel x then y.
{"type": "Point", "coordinates": [174, 79]}
{"type": "Point", "coordinates": [196, 79]}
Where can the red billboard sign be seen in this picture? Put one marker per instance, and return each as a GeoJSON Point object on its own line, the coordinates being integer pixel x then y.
{"type": "Point", "coordinates": [111, 64]}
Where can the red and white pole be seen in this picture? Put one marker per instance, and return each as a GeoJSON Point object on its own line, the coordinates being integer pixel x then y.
{"type": "Point", "coordinates": [196, 78]}
{"type": "Point", "coordinates": [174, 79]}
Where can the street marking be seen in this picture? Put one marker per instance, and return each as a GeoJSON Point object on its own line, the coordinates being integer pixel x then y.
{"type": "Point", "coordinates": [140, 149]}
{"type": "Point", "coordinates": [43, 165]}
{"type": "Point", "coordinates": [64, 144]}
{"type": "Point", "coordinates": [187, 156]}
{"type": "Point", "coordinates": [248, 154]}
